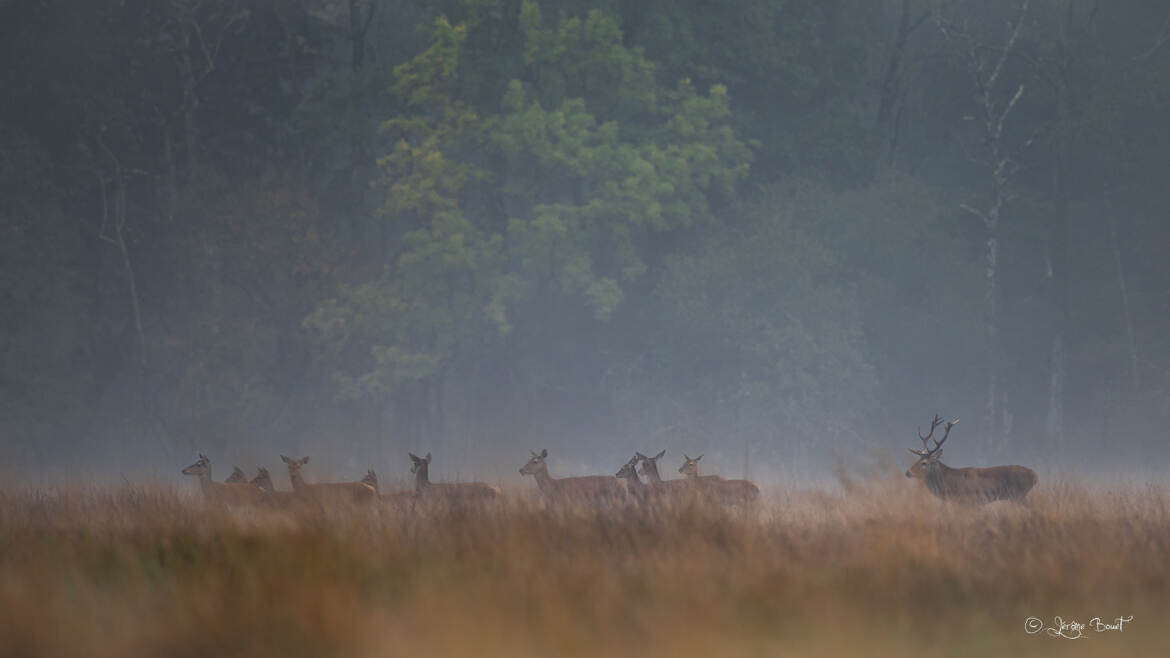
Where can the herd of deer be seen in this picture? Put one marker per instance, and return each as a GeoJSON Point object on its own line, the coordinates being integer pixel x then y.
{"type": "Point", "coordinates": [962, 484]}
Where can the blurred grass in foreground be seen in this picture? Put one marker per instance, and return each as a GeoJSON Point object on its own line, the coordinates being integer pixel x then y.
{"type": "Point", "coordinates": [881, 570]}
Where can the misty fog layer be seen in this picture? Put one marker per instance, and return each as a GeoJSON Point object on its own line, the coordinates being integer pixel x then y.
{"type": "Point", "coordinates": [781, 235]}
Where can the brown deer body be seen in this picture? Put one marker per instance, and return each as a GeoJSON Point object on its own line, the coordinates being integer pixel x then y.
{"type": "Point", "coordinates": [460, 492]}
{"type": "Point", "coordinates": [233, 493]}
{"type": "Point", "coordinates": [588, 487]}
{"type": "Point", "coordinates": [728, 492]}
{"type": "Point", "coordinates": [971, 485]}
{"type": "Point", "coordinates": [327, 491]}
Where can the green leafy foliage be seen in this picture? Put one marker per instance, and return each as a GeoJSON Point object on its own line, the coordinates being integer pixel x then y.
{"type": "Point", "coordinates": [581, 192]}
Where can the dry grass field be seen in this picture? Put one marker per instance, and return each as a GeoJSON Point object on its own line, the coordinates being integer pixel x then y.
{"type": "Point", "coordinates": [881, 570]}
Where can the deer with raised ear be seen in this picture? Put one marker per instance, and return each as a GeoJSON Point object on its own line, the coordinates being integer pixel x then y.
{"type": "Point", "coordinates": [395, 497]}
{"type": "Point", "coordinates": [649, 470]}
{"type": "Point", "coordinates": [237, 475]}
{"type": "Point", "coordinates": [236, 493]}
{"type": "Point", "coordinates": [263, 480]}
{"type": "Point", "coordinates": [585, 487]}
{"type": "Point", "coordinates": [728, 492]}
{"type": "Point", "coordinates": [974, 485]}
{"type": "Point", "coordinates": [634, 485]}
{"type": "Point", "coordinates": [357, 492]}
{"type": "Point", "coordinates": [454, 492]}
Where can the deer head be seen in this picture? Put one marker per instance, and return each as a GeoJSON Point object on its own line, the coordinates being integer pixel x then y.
{"type": "Point", "coordinates": [200, 468]}
{"type": "Point", "coordinates": [649, 465]}
{"type": "Point", "coordinates": [536, 464]}
{"type": "Point", "coordinates": [690, 467]}
{"type": "Point", "coordinates": [419, 462]}
{"type": "Point", "coordinates": [371, 478]}
{"type": "Point", "coordinates": [928, 456]}
{"type": "Point", "coordinates": [263, 479]}
{"type": "Point", "coordinates": [627, 471]}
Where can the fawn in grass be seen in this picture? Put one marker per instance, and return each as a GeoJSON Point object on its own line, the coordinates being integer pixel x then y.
{"type": "Point", "coordinates": [588, 487]}
{"type": "Point", "coordinates": [971, 485]}
{"type": "Point", "coordinates": [356, 492]}
{"type": "Point", "coordinates": [237, 493]}
{"type": "Point", "coordinates": [454, 492]}
{"type": "Point", "coordinates": [728, 492]}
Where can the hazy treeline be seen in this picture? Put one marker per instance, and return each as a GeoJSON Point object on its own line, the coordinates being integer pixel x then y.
{"type": "Point", "coordinates": [776, 228]}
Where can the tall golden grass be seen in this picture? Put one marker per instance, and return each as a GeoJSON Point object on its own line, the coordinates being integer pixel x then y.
{"type": "Point", "coordinates": [880, 570]}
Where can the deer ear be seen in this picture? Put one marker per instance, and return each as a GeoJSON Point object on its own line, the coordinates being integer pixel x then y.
{"type": "Point", "coordinates": [203, 457]}
{"type": "Point", "coordinates": [659, 455]}
{"type": "Point", "coordinates": [698, 458]}
{"type": "Point", "coordinates": [544, 453]}
{"type": "Point", "coordinates": [936, 456]}
{"type": "Point", "coordinates": [305, 460]}
{"type": "Point", "coordinates": [914, 452]}
{"type": "Point", "coordinates": [427, 459]}
{"type": "Point", "coordinates": [686, 457]}
{"type": "Point", "coordinates": [640, 455]}
{"type": "Point", "coordinates": [285, 459]}
{"type": "Point", "coordinates": [414, 457]}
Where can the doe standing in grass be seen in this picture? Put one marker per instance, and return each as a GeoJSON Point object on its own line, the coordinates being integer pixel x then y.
{"type": "Point", "coordinates": [238, 493]}
{"type": "Point", "coordinates": [326, 491]}
{"type": "Point", "coordinates": [728, 492]}
{"type": "Point", "coordinates": [586, 487]}
{"type": "Point", "coordinates": [450, 491]}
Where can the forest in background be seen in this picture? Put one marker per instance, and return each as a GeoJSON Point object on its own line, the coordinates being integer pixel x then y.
{"type": "Point", "coordinates": [763, 229]}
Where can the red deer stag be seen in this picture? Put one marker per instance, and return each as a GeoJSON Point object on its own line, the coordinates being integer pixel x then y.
{"type": "Point", "coordinates": [237, 493]}
{"type": "Point", "coordinates": [728, 492]}
{"type": "Point", "coordinates": [330, 491]}
{"type": "Point", "coordinates": [587, 487]}
{"type": "Point", "coordinates": [462, 492]}
{"type": "Point", "coordinates": [974, 485]}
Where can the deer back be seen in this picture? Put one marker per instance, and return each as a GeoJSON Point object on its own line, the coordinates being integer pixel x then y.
{"type": "Point", "coordinates": [238, 493]}
{"type": "Point", "coordinates": [590, 486]}
{"type": "Point", "coordinates": [980, 484]}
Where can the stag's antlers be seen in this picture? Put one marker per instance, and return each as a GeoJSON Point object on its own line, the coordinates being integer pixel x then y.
{"type": "Point", "coordinates": [927, 451]}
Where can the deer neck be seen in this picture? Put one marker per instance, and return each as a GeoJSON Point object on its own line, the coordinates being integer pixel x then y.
{"type": "Point", "coordinates": [935, 476]}
{"type": "Point", "coordinates": [544, 481]}
{"type": "Point", "coordinates": [634, 482]}
{"type": "Point", "coordinates": [422, 478]}
{"type": "Point", "coordinates": [652, 473]}
{"type": "Point", "coordinates": [298, 480]}
{"type": "Point", "coordinates": [206, 485]}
